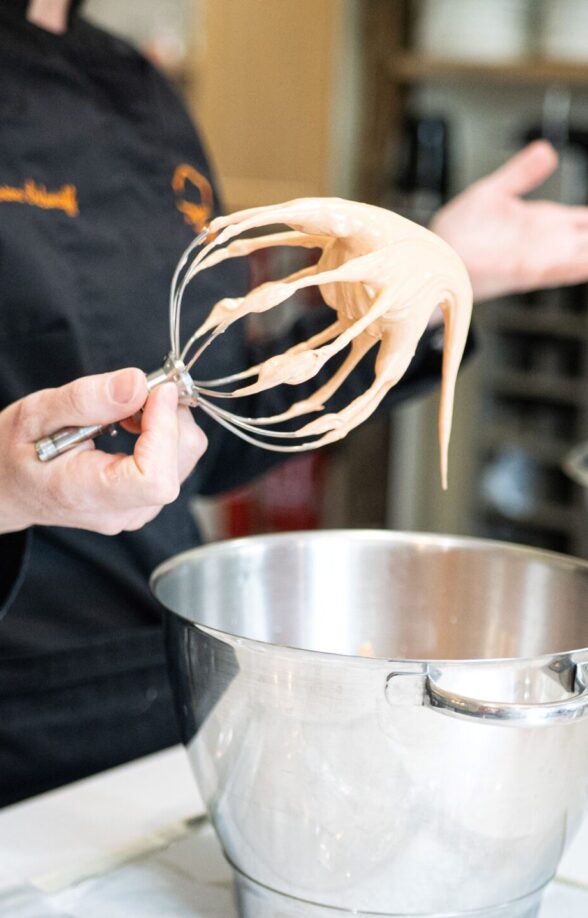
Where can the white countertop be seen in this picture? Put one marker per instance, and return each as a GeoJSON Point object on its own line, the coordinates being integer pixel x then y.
{"type": "Point", "coordinates": [129, 843]}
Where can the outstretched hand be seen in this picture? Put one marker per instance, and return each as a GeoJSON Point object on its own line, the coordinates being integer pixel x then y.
{"type": "Point", "coordinates": [511, 245]}
{"type": "Point", "coordinates": [88, 488]}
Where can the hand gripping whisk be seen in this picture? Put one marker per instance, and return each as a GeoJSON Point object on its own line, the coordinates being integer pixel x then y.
{"type": "Point", "coordinates": [173, 370]}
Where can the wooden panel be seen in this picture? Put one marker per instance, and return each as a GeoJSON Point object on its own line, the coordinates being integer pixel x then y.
{"type": "Point", "coordinates": [384, 24]}
{"type": "Point", "coordinates": [265, 96]}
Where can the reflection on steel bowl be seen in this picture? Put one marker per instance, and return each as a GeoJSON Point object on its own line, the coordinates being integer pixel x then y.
{"type": "Point", "coordinates": [442, 776]}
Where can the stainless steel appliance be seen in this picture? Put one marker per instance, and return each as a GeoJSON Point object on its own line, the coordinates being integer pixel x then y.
{"type": "Point", "coordinates": [442, 775]}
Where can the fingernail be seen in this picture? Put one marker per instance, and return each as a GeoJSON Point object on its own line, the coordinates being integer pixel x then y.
{"type": "Point", "coordinates": [122, 387]}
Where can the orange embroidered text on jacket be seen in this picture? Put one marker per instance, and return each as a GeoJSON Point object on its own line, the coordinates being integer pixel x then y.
{"type": "Point", "coordinates": [66, 198]}
{"type": "Point", "coordinates": [186, 182]}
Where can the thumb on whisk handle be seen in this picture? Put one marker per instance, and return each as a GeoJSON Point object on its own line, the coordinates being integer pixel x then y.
{"type": "Point", "coordinates": [173, 370]}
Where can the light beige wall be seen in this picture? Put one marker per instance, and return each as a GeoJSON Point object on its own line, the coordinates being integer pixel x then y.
{"type": "Point", "coordinates": [277, 97]}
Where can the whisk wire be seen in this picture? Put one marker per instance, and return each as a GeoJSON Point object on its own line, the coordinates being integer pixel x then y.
{"type": "Point", "coordinates": [174, 303]}
{"type": "Point", "coordinates": [254, 441]}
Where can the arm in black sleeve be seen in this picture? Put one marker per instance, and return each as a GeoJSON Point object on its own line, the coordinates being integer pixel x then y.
{"type": "Point", "coordinates": [14, 547]}
{"type": "Point", "coordinates": [230, 462]}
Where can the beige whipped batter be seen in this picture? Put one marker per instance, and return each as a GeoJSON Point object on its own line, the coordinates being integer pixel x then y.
{"type": "Point", "coordinates": [383, 276]}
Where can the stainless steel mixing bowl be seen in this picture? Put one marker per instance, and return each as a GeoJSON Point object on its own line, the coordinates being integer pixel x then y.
{"type": "Point", "coordinates": [442, 776]}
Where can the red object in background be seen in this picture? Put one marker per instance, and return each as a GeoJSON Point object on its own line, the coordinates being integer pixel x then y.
{"type": "Point", "coordinates": [239, 513]}
{"type": "Point", "coordinates": [290, 495]}
{"type": "Point", "coordinates": [287, 498]}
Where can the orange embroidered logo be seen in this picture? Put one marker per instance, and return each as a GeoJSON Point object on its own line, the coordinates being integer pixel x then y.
{"type": "Point", "coordinates": [65, 199]}
{"type": "Point", "coordinates": [187, 180]}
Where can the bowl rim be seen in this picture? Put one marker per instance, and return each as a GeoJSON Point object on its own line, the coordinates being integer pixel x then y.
{"type": "Point", "coordinates": [424, 539]}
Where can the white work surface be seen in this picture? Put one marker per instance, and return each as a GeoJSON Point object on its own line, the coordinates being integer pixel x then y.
{"type": "Point", "coordinates": [129, 844]}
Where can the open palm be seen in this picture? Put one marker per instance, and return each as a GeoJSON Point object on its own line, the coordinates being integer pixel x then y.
{"type": "Point", "coordinates": [509, 244]}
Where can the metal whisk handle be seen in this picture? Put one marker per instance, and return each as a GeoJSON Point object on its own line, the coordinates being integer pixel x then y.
{"type": "Point", "coordinates": [173, 370]}
{"type": "Point", "coordinates": [68, 437]}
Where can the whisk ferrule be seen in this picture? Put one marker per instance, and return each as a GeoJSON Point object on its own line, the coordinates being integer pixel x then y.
{"type": "Point", "coordinates": [174, 370]}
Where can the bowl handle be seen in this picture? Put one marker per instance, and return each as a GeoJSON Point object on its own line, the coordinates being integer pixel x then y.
{"type": "Point", "coordinates": [511, 714]}
{"type": "Point", "coordinates": [405, 687]}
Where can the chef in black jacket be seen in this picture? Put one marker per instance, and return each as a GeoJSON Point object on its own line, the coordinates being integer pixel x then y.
{"type": "Point", "coordinates": [103, 182]}
{"type": "Point", "coordinates": [100, 172]}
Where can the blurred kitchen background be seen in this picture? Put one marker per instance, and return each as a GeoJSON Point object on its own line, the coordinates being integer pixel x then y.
{"type": "Point", "coordinates": [403, 103]}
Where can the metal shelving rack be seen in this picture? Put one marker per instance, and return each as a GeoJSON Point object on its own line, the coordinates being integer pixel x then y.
{"type": "Point", "coordinates": [535, 404]}
{"type": "Point", "coordinates": [534, 348]}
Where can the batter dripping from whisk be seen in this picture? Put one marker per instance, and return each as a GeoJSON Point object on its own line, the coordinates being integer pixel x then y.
{"type": "Point", "coordinates": [383, 276]}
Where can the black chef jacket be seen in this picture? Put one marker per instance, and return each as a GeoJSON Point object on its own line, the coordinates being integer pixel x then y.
{"type": "Point", "coordinates": [102, 182]}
